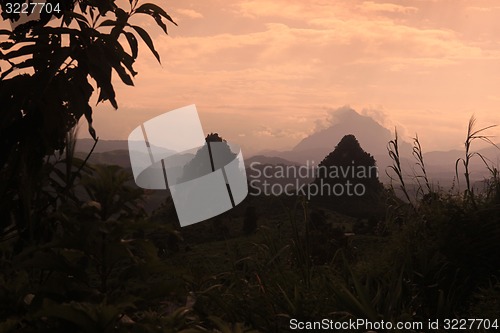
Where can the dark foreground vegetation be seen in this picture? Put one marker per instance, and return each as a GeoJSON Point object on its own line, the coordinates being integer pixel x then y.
{"type": "Point", "coordinates": [95, 262]}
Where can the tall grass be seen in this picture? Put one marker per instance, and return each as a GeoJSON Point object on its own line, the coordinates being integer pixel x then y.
{"type": "Point", "coordinates": [396, 167]}
{"type": "Point", "coordinates": [473, 135]}
{"type": "Point", "coordinates": [419, 156]}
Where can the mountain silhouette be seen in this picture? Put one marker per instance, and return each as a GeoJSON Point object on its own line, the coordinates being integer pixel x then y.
{"type": "Point", "coordinates": [349, 156]}
{"type": "Point", "coordinates": [372, 136]}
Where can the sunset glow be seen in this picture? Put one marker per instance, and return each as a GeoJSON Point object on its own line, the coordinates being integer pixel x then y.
{"type": "Point", "coordinates": [265, 74]}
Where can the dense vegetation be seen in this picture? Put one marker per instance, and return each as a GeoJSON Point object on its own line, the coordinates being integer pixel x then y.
{"type": "Point", "coordinates": [103, 265]}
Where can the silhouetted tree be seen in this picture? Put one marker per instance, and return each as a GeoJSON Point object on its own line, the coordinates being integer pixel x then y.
{"type": "Point", "coordinates": [61, 63]}
{"type": "Point", "coordinates": [208, 157]}
{"type": "Point", "coordinates": [348, 162]}
{"type": "Point", "coordinates": [347, 180]}
{"type": "Point", "coordinates": [214, 137]}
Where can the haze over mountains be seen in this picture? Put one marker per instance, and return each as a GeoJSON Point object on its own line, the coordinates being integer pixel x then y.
{"type": "Point", "coordinates": [372, 137]}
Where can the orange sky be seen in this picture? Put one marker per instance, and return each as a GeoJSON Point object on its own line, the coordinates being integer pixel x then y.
{"type": "Point", "coordinates": [265, 73]}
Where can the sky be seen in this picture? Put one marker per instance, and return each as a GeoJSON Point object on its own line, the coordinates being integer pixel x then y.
{"type": "Point", "coordinates": [266, 73]}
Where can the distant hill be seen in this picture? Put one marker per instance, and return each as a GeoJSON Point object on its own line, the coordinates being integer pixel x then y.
{"type": "Point", "coordinates": [112, 152]}
{"type": "Point", "coordinates": [116, 157]}
{"type": "Point", "coordinates": [268, 160]}
{"type": "Point", "coordinates": [448, 158]}
{"type": "Point", "coordinates": [440, 165]}
{"type": "Point", "coordinates": [85, 145]}
{"type": "Point", "coordinates": [372, 136]}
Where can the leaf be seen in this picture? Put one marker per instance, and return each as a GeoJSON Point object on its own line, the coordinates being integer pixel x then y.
{"type": "Point", "coordinates": [25, 64]}
{"type": "Point", "coordinates": [116, 51]}
{"type": "Point", "coordinates": [121, 16]}
{"type": "Point", "coordinates": [6, 73]}
{"type": "Point", "coordinates": [116, 56]}
{"type": "Point", "coordinates": [91, 12]}
{"type": "Point", "coordinates": [160, 23]}
{"type": "Point", "coordinates": [123, 74]}
{"type": "Point", "coordinates": [78, 17]}
{"type": "Point", "coordinates": [88, 116]}
{"type": "Point", "coordinates": [103, 80]}
{"type": "Point", "coordinates": [157, 13]}
{"type": "Point", "coordinates": [7, 45]}
{"type": "Point", "coordinates": [105, 6]}
{"type": "Point", "coordinates": [55, 31]}
{"type": "Point", "coordinates": [145, 37]}
{"type": "Point", "coordinates": [134, 47]}
{"type": "Point", "coordinates": [83, 7]}
{"type": "Point", "coordinates": [100, 70]}
{"type": "Point", "coordinates": [108, 23]}
{"type": "Point", "coordinates": [149, 8]}
{"type": "Point", "coordinates": [23, 51]}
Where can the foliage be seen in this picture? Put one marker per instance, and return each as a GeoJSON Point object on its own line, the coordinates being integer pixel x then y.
{"type": "Point", "coordinates": [46, 88]}
{"type": "Point", "coordinates": [97, 272]}
{"type": "Point", "coordinates": [55, 92]}
{"type": "Point", "coordinates": [74, 249]}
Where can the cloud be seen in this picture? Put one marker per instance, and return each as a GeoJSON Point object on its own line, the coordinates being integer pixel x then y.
{"type": "Point", "coordinates": [262, 8]}
{"type": "Point", "coordinates": [266, 131]}
{"type": "Point", "coordinates": [376, 37]}
{"type": "Point", "coordinates": [271, 69]}
{"type": "Point", "coordinates": [371, 6]}
{"type": "Point", "coordinates": [483, 9]}
{"type": "Point", "coordinates": [189, 13]}
{"type": "Point", "coordinates": [339, 114]}
{"type": "Point", "coordinates": [376, 114]}
{"type": "Point", "coordinates": [331, 116]}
